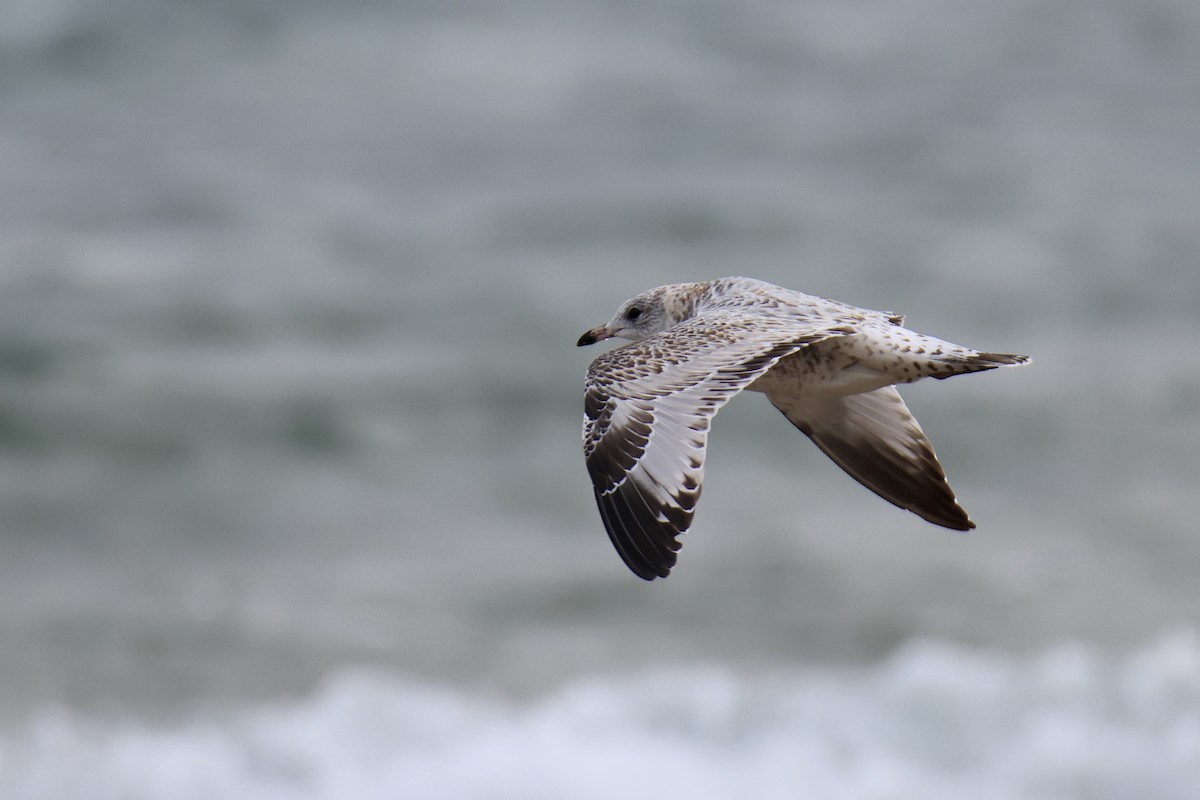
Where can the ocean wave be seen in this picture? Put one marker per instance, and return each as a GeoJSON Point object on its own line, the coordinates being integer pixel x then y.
{"type": "Point", "coordinates": [933, 721]}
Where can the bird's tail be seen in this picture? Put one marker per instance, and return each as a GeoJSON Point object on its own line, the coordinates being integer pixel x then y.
{"type": "Point", "coordinates": [1002, 359]}
{"type": "Point", "coordinates": [950, 365]}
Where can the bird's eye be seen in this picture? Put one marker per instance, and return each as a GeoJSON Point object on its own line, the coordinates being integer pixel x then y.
{"type": "Point", "coordinates": [633, 313]}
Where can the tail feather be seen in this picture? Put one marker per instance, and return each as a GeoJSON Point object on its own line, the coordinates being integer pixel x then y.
{"type": "Point", "coordinates": [1002, 359]}
{"type": "Point", "coordinates": [977, 362]}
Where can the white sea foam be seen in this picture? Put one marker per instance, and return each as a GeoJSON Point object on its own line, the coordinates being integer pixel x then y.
{"type": "Point", "coordinates": [932, 722]}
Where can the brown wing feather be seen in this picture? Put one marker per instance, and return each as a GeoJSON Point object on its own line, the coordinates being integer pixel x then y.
{"type": "Point", "coordinates": [647, 411]}
{"type": "Point", "coordinates": [878, 442]}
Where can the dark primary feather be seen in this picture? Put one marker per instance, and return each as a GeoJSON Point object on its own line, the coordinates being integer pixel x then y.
{"type": "Point", "coordinates": [878, 442]}
{"type": "Point", "coordinates": [648, 408]}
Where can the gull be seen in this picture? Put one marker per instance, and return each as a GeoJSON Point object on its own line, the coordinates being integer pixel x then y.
{"type": "Point", "coordinates": [831, 368]}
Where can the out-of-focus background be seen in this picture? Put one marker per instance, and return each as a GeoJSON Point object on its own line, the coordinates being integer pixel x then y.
{"type": "Point", "coordinates": [291, 496]}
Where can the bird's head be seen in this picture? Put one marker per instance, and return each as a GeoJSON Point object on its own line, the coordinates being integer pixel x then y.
{"type": "Point", "coordinates": [647, 314]}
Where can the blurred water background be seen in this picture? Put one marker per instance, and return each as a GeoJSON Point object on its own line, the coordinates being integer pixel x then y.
{"type": "Point", "coordinates": [291, 496]}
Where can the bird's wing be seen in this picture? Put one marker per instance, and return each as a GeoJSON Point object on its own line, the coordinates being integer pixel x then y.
{"type": "Point", "coordinates": [647, 410]}
{"type": "Point", "coordinates": [875, 438]}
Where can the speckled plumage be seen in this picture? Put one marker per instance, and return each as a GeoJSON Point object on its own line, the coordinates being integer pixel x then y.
{"type": "Point", "coordinates": [831, 368]}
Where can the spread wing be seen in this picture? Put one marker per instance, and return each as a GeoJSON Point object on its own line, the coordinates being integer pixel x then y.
{"type": "Point", "coordinates": [647, 411]}
{"type": "Point", "coordinates": [876, 439]}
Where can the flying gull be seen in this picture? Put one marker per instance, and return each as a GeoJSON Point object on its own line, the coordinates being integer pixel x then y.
{"type": "Point", "coordinates": [831, 368]}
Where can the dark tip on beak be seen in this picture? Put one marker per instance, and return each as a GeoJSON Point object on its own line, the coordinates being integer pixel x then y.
{"type": "Point", "coordinates": [597, 334]}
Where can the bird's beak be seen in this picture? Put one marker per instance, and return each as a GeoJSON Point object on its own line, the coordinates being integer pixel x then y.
{"type": "Point", "coordinates": [594, 335]}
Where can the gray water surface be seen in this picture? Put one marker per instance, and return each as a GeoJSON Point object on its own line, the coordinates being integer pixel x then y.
{"type": "Point", "coordinates": [289, 294]}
